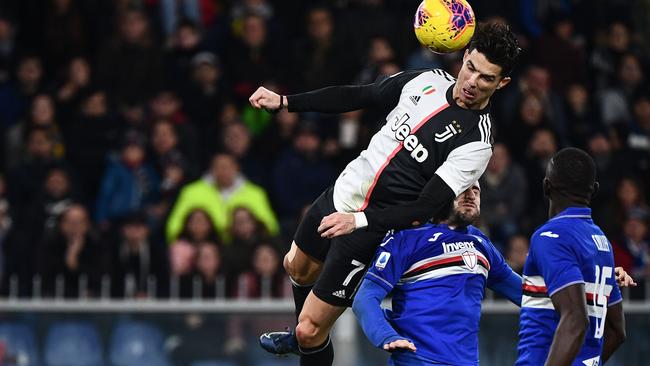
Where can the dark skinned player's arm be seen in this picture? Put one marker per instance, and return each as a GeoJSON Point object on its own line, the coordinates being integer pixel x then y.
{"type": "Point", "coordinates": [570, 303]}
{"type": "Point", "coordinates": [614, 330]}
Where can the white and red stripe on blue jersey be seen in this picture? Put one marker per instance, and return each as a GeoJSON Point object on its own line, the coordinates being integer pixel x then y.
{"type": "Point", "coordinates": [569, 249]}
{"type": "Point", "coordinates": [423, 266]}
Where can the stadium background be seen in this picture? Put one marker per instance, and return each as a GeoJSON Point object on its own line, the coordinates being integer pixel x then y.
{"type": "Point", "coordinates": [125, 243]}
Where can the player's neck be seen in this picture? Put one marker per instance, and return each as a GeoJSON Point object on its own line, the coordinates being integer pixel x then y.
{"type": "Point", "coordinates": [558, 205]}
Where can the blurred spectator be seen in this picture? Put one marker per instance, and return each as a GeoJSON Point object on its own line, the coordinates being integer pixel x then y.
{"type": "Point", "coordinates": [266, 279]}
{"type": "Point", "coordinates": [300, 174]}
{"type": "Point", "coordinates": [7, 47]}
{"type": "Point", "coordinates": [138, 264]}
{"type": "Point", "coordinates": [632, 251]}
{"type": "Point", "coordinates": [606, 56]}
{"type": "Point", "coordinates": [543, 146]}
{"type": "Point", "coordinates": [629, 195]}
{"type": "Point", "coordinates": [42, 114]}
{"type": "Point", "coordinates": [74, 85]}
{"type": "Point", "coordinates": [15, 96]}
{"type": "Point", "coordinates": [204, 97]}
{"type": "Point", "coordinates": [197, 228]}
{"type": "Point", "coordinates": [26, 179]}
{"type": "Point", "coordinates": [209, 269]}
{"type": "Point", "coordinates": [237, 142]}
{"type": "Point", "coordinates": [321, 59]}
{"type": "Point", "coordinates": [129, 66]}
{"type": "Point", "coordinates": [583, 116]}
{"type": "Point", "coordinates": [537, 81]}
{"type": "Point", "coordinates": [246, 232]}
{"type": "Point", "coordinates": [219, 192]}
{"type": "Point", "coordinates": [56, 196]}
{"type": "Point", "coordinates": [559, 52]}
{"type": "Point", "coordinates": [380, 51]}
{"type": "Point", "coordinates": [252, 59]}
{"type": "Point", "coordinates": [185, 44]}
{"type": "Point", "coordinates": [89, 138]}
{"type": "Point", "coordinates": [615, 100]}
{"type": "Point", "coordinates": [274, 140]}
{"type": "Point", "coordinates": [531, 117]}
{"type": "Point", "coordinates": [63, 34]}
{"type": "Point", "coordinates": [129, 184]}
{"type": "Point", "coordinates": [517, 252]}
{"type": "Point", "coordinates": [639, 138]}
{"type": "Point", "coordinates": [503, 196]}
{"type": "Point", "coordinates": [73, 256]}
{"type": "Point", "coordinates": [171, 11]}
{"type": "Point", "coordinates": [166, 149]}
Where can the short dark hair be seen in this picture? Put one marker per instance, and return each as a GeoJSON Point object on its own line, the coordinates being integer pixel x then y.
{"type": "Point", "coordinates": [572, 173]}
{"type": "Point", "coordinates": [499, 45]}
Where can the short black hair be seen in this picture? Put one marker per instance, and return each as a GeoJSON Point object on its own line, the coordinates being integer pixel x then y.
{"type": "Point", "coordinates": [572, 173]}
{"type": "Point", "coordinates": [499, 45]}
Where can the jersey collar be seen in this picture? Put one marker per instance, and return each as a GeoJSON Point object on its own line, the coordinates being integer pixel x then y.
{"type": "Point", "coordinates": [574, 212]}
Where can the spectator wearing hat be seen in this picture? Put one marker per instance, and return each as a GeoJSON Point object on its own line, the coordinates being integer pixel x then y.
{"type": "Point", "coordinates": [130, 183]}
{"type": "Point", "coordinates": [204, 99]}
{"type": "Point", "coordinates": [221, 190]}
{"type": "Point", "coordinates": [632, 251]}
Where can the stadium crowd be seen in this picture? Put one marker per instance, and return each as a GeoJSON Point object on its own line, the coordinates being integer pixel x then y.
{"type": "Point", "coordinates": [132, 165]}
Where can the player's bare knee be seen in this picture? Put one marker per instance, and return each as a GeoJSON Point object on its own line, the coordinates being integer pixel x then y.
{"type": "Point", "coordinates": [308, 333]}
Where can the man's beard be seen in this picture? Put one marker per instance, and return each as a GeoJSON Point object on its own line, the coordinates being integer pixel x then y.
{"type": "Point", "coordinates": [462, 219]}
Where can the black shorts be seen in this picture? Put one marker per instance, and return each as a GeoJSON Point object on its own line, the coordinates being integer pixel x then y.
{"type": "Point", "coordinates": [345, 258]}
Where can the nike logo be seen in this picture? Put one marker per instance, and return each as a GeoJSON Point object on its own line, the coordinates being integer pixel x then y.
{"type": "Point", "coordinates": [549, 234]}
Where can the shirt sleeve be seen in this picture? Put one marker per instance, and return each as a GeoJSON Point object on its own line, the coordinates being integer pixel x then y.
{"type": "Point", "coordinates": [389, 262]}
{"type": "Point", "coordinates": [386, 90]}
{"type": "Point", "coordinates": [499, 269]}
{"type": "Point", "coordinates": [465, 165]}
{"type": "Point", "coordinates": [556, 260]}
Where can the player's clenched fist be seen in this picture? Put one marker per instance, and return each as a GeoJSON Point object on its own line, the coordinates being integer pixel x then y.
{"type": "Point", "coordinates": [264, 98]}
{"type": "Point", "coordinates": [400, 344]}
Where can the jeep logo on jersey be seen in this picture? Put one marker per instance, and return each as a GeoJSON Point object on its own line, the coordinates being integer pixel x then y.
{"type": "Point", "coordinates": [411, 142]}
{"type": "Point", "coordinates": [451, 129]}
{"type": "Point", "coordinates": [470, 259]}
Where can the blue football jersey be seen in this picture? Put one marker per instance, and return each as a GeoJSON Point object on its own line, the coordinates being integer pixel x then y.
{"type": "Point", "coordinates": [567, 249]}
{"type": "Point", "coordinates": [437, 277]}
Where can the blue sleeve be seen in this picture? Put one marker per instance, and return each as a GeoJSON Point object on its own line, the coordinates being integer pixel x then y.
{"type": "Point", "coordinates": [509, 287]}
{"type": "Point", "coordinates": [556, 259]}
{"type": "Point", "coordinates": [367, 308]}
{"type": "Point", "coordinates": [499, 269]}
{"type": "Point", "coordinates": [390, 261]}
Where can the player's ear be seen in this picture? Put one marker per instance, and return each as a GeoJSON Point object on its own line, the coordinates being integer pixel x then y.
{"type": "Point", "coordinates": [595, 188]}
{"type": "Point", "coordinates": [503, 82]}
{"type": "Point", "coordinates": [546, 186]}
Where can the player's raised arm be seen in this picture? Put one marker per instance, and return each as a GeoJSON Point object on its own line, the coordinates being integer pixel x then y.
{"type": "Point", "coordinates": [570, 303]}
{"type": "Point", "coordinates": [335, 99]}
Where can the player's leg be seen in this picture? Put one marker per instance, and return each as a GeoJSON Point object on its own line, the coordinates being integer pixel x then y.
{"type": "Point", "coordinates": [303, 264]}
{"type": "Point", "coordinates": [314, 325]}
{"type": "Point", "coordinates": [303, 271]}
{"type": "Point", "coordinates": [334, 291]}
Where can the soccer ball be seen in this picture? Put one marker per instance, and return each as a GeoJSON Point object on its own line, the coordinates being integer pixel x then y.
{"type": "Point", "coordinates": [444, 26]}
